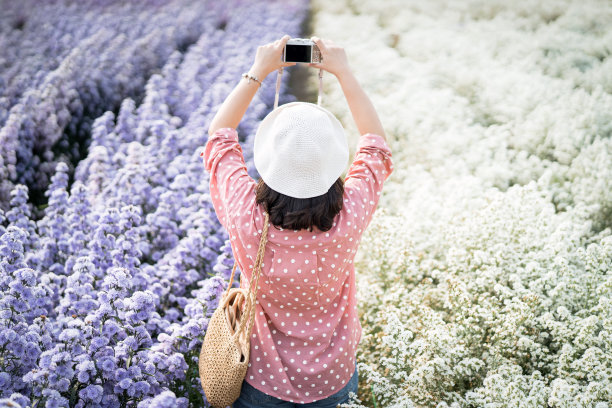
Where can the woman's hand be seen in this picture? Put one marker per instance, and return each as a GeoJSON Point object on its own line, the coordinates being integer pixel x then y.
{"type": "Point", "coordinates": [333, 57]}
{"type": "Point", "coordinates": [269, 58]}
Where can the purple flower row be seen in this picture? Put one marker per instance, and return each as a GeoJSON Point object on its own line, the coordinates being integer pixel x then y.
{"type": "Point", "coordinates": [106, 299]}
{"type": "Point", "coordinates": [66, 62]}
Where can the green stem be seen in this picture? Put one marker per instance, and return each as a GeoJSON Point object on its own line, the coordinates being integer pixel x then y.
{"type": "Point", "coordinates": [73, 395]}
{"type": "Point", "coordinates": [373, 399]}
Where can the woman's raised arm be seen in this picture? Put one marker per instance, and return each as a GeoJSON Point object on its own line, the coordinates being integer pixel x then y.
{"type": "Point", "coordinates": [267, 59]}
{"type": "Point", "coordinates": [362, 109]}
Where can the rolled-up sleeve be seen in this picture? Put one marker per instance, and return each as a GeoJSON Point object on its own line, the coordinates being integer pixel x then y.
{"type": "Point", "coordinates": [364, 180]}
{"type": "Point", "coordinates": [232, 190]}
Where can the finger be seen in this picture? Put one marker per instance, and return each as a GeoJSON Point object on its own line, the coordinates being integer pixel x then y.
{"type": "Point", "coordinates": [284, 39]}
{"type": "Point", "coordinates": [319, 42]}
{"type": "Point", "coordinates": [280, 44]}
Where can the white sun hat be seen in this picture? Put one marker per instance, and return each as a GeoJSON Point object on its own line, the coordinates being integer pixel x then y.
{"type": "Point", "coordinates": [300, 150]}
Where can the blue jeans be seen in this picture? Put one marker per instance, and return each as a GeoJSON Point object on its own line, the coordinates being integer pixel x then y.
{"type": "Point", "coordinates": [251, 397]}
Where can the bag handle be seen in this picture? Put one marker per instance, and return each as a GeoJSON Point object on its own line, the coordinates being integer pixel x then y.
{"type": "Point", "coordinates": [278, 82]}
{"type": "Point", "coordinates": [249, 307]}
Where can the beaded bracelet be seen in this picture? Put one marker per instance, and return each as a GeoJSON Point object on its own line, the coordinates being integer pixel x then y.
{"type": "Point", "coordinates": [253, 77]}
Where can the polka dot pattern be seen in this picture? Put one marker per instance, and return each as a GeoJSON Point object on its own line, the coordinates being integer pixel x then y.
{"type": "Point", "coordinates": [306, 329]}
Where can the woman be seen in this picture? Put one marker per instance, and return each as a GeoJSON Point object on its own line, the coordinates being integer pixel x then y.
{"type": "Point", "coordinates": [306, 328]}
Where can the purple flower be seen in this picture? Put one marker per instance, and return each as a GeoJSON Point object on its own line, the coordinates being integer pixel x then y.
{"type": "Point", "coordinates": [18, 349]}
{"type": "Point", "coordinates": [134, 371]}
{"type": "Point", "coordinates": [68, 335]}
{"type": "Point", "coordinates": [45, 359]}
{"type": "Point", "coordinates": [9, 335]}
{"type": "Point", "coordinates": [121, 374]}
{"type": "Point", "coordinates": [32, 350]}
{"type": "Point", "coordinates": [83, 376]}
{"type": "Point", "coordinates": [15, 400]}
{"type": "Point", "coordinates": [166, 399]}
{"type": "Point", "coordinates": [142, 387]}
{"type": "Point", "coordinates": [110, 328]}
{"type": "Point", "coordinates": [149, 368]}
{"type": "Point", "coordinates": [92, 393]}
{"type": "Point", "coordinates": [62, 384]}
{"type": "Point", "coordinates": [64, 370]}
{"type": "Point", "coordinates": [108, 364]}
{"type": "Point", "coordinates": [98, 342]}
{"type": "Point", "coordinates": [54, 399]}
{"type": "Point", "coordinates": [131, 342]}
{"type": "Point", "coordinates": [5, 379]}
{"type": "Point", "coordinates": [125, 383]}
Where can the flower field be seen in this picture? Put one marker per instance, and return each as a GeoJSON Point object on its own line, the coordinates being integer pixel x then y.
{"type": "Point", "coordinates": [484, 278]}
{"type": "Point", "coordinates": [65, 64]}
{"type": "Point", "coordinates": [107, 293]}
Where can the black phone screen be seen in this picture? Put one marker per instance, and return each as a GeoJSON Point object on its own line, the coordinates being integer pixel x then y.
{"type": "Point", "coordinates": [297, 53]}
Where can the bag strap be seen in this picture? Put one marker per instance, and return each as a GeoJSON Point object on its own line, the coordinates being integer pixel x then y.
{"type": "Point", "coordinates": [278, 83]}
{"type": "Point", "coordinates": [235, 264]}
{"type": "Point", "coordinates": [249, 307]}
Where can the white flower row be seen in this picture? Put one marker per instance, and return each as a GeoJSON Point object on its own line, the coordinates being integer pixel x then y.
{"type": "Point", "coordinates": [485, 275]}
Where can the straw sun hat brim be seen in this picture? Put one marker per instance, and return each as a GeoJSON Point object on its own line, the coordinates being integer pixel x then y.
{"type": "Point", "coordinates": [300, 150]}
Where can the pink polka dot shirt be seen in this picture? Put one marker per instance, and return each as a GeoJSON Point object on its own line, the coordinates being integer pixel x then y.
{"type": "Point", "coordinates": [306, 329]}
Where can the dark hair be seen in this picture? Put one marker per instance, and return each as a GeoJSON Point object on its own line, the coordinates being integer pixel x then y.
{"type": "Point", "coordinates": [301, 213]}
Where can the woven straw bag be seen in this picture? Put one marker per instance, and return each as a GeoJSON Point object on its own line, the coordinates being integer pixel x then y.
{"type": "Point", "coordinates": [225, 352]}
